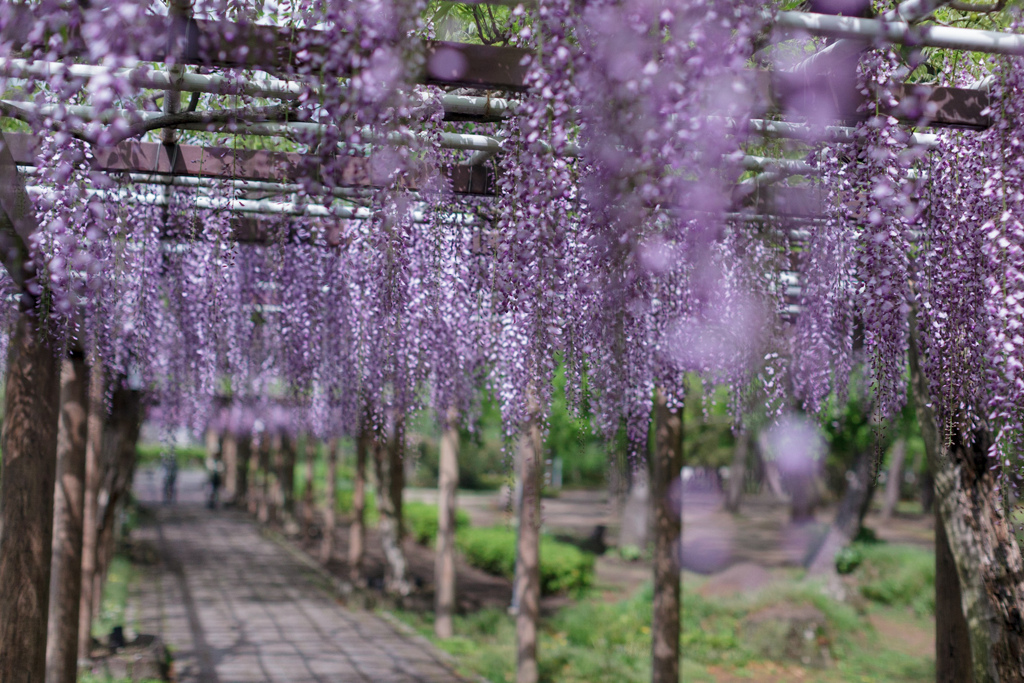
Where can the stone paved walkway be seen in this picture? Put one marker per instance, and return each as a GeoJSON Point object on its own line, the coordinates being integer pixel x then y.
{"type": "Point", "coordinates": [236, 607]}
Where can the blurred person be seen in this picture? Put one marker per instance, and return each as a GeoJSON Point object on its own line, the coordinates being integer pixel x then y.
{"type": "Point", "coordinates": [169, 463]}
{"type": "Point", "coordinates": [214, 465]}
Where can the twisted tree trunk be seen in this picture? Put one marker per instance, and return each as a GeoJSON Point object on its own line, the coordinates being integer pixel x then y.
{"type": "Point", "coordinates": [988, 561]}
{"type": "Point", "coordinates": [444, 565]}
{"type": "Point", "coordinates": [31, 403]}
{"type": "Point", "coordinates": [66, 581]}
{"type": "Point", "coordinates": [666, 500]}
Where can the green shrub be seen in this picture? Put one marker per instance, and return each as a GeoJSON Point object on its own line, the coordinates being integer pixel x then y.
{"type": "Point", "coordinates": [563, 567]}
{"type": "Point", "coordinates": [848, 559]}
{"type": "Point", "coordinates": [492, 549]}
{"type": "Point", "coordinates": [867, 536]}
{"type": "Point", "coordinates": [898, 575]}
{"type": "Point", "coordinates": [421, 521]}
{"type": "Point", "coordinates": [630, 553]}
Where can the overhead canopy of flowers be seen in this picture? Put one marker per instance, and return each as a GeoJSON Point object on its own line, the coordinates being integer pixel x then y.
{"type": "Point", "coordinates": [636, 221]}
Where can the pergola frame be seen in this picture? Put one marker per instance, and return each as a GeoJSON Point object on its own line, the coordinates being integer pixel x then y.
{"type": "Point", "coordinates": [500, 69]}
{"type": "Point", "coordinates": [190, 42]}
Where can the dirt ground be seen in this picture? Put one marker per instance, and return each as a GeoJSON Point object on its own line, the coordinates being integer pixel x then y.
{"type": "Point", "coordinates": [713, 540]}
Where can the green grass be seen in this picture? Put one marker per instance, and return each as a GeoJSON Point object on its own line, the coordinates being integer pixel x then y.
{"type": "Point", "coordinates": [898, 575]}
{"type": "Point", "coordinates": [593, 641]}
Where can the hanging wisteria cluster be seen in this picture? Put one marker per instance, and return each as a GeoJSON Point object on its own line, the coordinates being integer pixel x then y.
{"type": "Point", "coordinates": [621, 242]}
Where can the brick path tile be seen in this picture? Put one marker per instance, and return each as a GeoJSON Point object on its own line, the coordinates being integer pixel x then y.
{"type": "Point", "coordinates": [236, 608]}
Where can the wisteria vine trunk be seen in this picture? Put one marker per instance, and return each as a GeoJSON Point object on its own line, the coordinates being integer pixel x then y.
{"type": "Point", "coordinates": [121, 436]}
{"type": "Point", "coordinates": [357, 532]}
{"type": "Point", "coordinates": [444, 566]}
{"type": "Point", "coordinates": [988, 560]}
{"type": "Point", "coordinates": [527, 578]}
{"type": "Point", "coordinates": [69, 503]}
{"type": "Point", "coordinates": [307, 489]}
{"type": "Point", "coordinates": [90, 521]}
{"type": "Point", "coordinates": [330, 502]}
{"type": "Point", "coordinates": [980, 541]}
{"type": "Point", "coordinates": [29, 443]}
{"type": "Point", "coordinates": [666, 503]}
{"type": "Point", "coordinates": [388, 466]}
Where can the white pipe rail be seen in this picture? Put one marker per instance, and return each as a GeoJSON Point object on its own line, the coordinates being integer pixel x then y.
{"type": "Point", "coordinates": [458, 141]}
{"type": "Point", "coordinates": [803, 131]}
{"type": "Point", "coordinates": [150, 78]}
{"type": "Point", "coordinates": [265, 207]}
{"type": "Point", "coordinates": [270, 88]}
{"type": "Point", "coordinates": [244, 185]}
{"type": "Point", "coordinates": [259, 206]}
{"type": "Point", "coordinates": [787, 166]}
{"type": "Point", "coordinates": [900, 32]}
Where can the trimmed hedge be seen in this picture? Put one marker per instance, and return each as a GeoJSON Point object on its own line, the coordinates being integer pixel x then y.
{"type": "Point", "coordinates": [563, 567]}
{"type": "Point", "coordinates": [421, 521]}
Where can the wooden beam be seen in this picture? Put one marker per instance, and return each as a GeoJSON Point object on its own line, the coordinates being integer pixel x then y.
{"type": "Point", "coordinates": [223, 162]}
{"type": "Point", "coordinates": [832, 95]}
